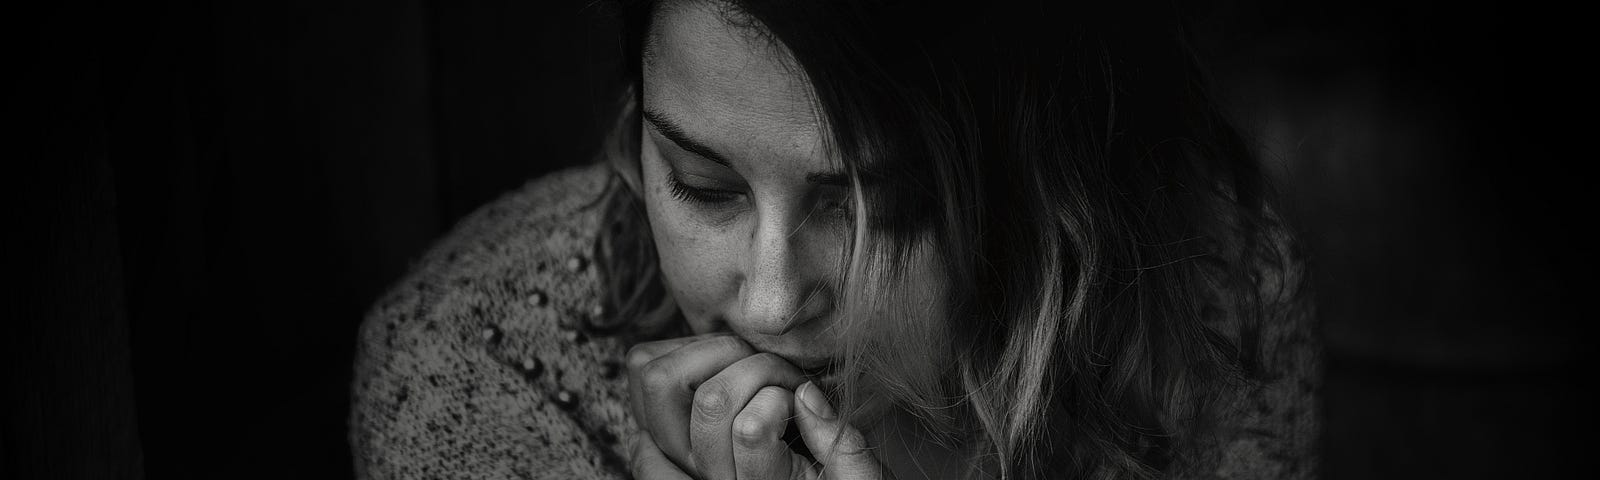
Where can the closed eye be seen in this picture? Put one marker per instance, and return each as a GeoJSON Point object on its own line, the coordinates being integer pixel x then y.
{"type": "Point", "coordinates": [837, 204]}
{"type": "Point", "coordinates": [697, 195]}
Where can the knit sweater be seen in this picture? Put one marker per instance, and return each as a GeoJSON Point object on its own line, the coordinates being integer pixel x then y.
{"type": "Point", "coordinates": [488, 360]}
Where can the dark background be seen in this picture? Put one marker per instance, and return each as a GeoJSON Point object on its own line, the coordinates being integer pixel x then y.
{"type": "Point", "coordinates": [209, 195]}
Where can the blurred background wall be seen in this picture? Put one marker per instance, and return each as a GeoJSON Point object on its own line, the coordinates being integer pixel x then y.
{"type": "Point", "coordinates": [212, 193]}
{"type": "Point", "coordinates": [1417, 148]}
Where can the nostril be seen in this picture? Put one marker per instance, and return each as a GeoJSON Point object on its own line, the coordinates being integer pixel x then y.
{"type": "Point", "coordinates": [812, 306]}
{"type": "Point", "coordinates": [783, 288]}
{"type": "Point", "coordinates": [779, 311]}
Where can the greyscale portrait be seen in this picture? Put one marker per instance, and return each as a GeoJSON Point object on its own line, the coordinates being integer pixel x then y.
{"type": "Point", "coordinates": [790, 239]}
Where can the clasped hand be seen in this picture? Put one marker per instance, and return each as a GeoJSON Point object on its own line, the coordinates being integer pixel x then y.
{"type": "Point", "coordinates": [711, 407]}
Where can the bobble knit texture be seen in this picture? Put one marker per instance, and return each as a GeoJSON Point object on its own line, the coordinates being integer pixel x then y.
{"type": "Point", "coordinates": [481, 362]}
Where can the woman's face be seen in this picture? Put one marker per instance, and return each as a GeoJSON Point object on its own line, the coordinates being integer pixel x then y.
{"type": "Point", "coordinates": [750, 216]}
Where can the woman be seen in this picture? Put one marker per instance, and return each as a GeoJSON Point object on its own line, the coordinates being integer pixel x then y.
{"type": "Point", "coordinates": [865, 240]}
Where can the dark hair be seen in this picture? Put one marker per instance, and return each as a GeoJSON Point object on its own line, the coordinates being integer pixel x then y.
{"type": "Point", "coordinates": [1109, 240]}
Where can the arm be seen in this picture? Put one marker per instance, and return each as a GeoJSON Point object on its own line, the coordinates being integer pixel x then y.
{"type": "Point", "coordinates": [476, 365]}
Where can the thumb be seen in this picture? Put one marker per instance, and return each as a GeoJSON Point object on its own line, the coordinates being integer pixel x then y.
{"type": "Point", "coordinates": [841, 449]}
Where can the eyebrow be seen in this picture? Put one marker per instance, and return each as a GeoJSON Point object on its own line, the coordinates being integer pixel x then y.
{"type": "Point", "coordinates": [829, 178]}
{"type": "Point", "coordinates": [673, 132]}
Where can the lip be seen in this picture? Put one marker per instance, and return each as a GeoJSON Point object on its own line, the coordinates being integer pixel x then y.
{"type": "Point", "coordinates": [817, 368]}
{"type": "Point", "coordinates": [814, 367]}
{"type": "Point", "coordinates": [826, 371]}
{"type": "Point", "coordinates": [811, 364]}
{"type": "Point", "coordinates": [823, 371]}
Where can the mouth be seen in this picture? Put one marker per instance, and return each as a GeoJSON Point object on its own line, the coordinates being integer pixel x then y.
{"type": "Point", "coordinates": [823, 371]}
{"type": "Point", "coordinates": [825, 375]}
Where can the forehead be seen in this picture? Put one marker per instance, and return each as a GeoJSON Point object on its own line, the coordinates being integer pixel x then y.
{"type": "Point", "coordinates": [726, 81]}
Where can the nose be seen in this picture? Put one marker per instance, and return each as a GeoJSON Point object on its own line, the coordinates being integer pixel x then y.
{"type": "Point", "coordinates": [785, 285]}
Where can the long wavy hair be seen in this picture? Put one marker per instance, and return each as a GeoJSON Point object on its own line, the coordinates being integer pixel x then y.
{"type": "Point", "coordinates": [1108, 242]}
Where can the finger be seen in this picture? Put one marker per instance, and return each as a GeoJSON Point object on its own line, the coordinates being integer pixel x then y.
{"type": "Point", "coordinates": [648, 463]}
{"type": "Point", "coordinates": [644, 353]}
{"type": "Point", "coordinates": [840, 448]}
{"type": "Point", "coordinates": [721, 398]}
{"type": "Point", "coordinates": [667, 385]}
{"type": "Point", "coordinates": [759, 452]}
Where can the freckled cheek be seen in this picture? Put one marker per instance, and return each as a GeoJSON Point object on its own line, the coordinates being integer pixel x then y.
{"type": "Point", "coordinates": [697, 262]}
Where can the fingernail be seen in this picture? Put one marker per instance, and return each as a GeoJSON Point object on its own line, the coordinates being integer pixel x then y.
{"type": "Point", "coordinates": [815, 402]}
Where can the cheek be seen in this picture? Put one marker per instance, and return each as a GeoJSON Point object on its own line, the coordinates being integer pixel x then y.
{"type": "Point", "coordinates": [918, 311]}
{"type": "Point", "coordinates": [696, 261]}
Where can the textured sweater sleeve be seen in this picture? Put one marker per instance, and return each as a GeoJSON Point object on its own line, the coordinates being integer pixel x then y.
{"type": "Point", "coordinates": [485, 362]}
{"type": "Point", "coordinates": [1269, 430]}
{"type": "Point", "coordinates": [480, 364]}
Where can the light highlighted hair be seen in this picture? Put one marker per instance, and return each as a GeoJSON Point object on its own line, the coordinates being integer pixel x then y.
{"type": "Point", "coordinates": [1100, 244]}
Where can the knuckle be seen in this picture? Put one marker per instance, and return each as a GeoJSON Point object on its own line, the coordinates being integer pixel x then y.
{"type": "Point", "coordinates": [711, 400]}
{"type": "Point", "coordinates": [655, 374]}
{"type": "Point", "coordinates": [639, 356]}
{"type": "Point", "coordinates": [751, 431]}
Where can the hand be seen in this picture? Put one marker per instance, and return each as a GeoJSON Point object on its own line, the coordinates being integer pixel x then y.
{"type": "Point", "coordinates": [840, 448]}
{"type": "Point", "coordinates": [711, 407]}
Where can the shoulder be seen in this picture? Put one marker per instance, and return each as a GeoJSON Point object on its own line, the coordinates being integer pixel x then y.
{"type": "Point", "coordinates": [565, 204]}
{"type": "Point", "coordinates": [1269, 427]}
{"type": "Point", "coordinates": [479, 361]}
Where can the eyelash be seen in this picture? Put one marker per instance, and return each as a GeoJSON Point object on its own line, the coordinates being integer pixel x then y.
{"type": "Point", "coordinates": [715, 198]}
{"type": "Point", "coordinates": [690, 194]}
